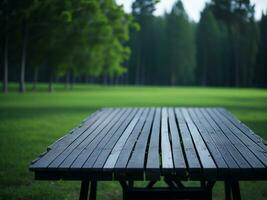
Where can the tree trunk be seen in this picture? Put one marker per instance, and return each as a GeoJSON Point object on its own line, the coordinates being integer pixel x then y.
{"type": "Point", "coordinates": [137, 72]}
{"type": "Point", "coordinates": [105, 79]}
{"type": "Point", "coordinates": [73, 81]}
{"type": "Point", "coordinates": [24, 55]}
{"type": "Point", "coordinates": [204, 71]}
{"type": "Point", "coordinates": [125, 80]}
{"type": "Point", "coordinates": [237, 71]}
{"type": "Point", "coordinates": [142, 75]}
{"type": "Point", "coordinates": [67, 80]}
{"type": "Point", "coordinates": [5, 80]}
{"type": "Point", "coordinates": [92, 80]}
{"type": "Point", "coordinates": [111, 80]}
{"type": "Point", "coordinates": [50, 86]}
{"type": "Point", "coordinates": [87, 79]}
{"type": "Point", "coordinates": [35, 79]}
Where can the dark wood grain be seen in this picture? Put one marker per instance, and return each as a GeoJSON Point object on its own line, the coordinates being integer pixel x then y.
{"type": "Point", "coordinates": [177, 151]}
{"type": "Point", "coordinates": [208, 165]}
{"type": "Point", "coordinates": [65, 143]}
{"type": "Point", "coordinates": [77, 160]}
{"type": "Point", "coordinates": [148, 143]}
{"type": "Point", "coordinates": [192, 160]}
{"type": "Point", "coordinates": [127, 149]}
{"type": "Point", "coordinates": [166, 153]}
{"type": "Point", "coordinates": [136, 164]}
{"type": "Point", "coordinates": [153, 158]}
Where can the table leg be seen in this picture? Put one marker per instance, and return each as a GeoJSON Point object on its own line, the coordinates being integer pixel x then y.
{"type": "Point", "coordinates": [124, 189]}
{"type": "Point", "coordinates": [209, 186]}
{"type": "Point", "coordinates": [179, 184]}
{"type": "Point", "coordinates": [84, 190]}
{"type": "Point", "coordinates": [236, 190]}
{"type": "Point", "coordinates": [131, 184]}
{"type": "Point", "coordinates": [227, 190]}
{"type": "Point", "coordinates": [93, 190]}
{"type": "Point", "coordinates": [151, 184]}
{"type": "Point", "coordinates": [150, 192]}
{"type": "Point", "coordinates": [169, 183]}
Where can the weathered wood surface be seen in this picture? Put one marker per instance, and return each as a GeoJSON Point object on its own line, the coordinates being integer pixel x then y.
{"type": "Point", "coordinates": [147, 143]}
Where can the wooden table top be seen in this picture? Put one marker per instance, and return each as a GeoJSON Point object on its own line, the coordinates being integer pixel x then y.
{"type": "Point", "coordinates": [147, 143]}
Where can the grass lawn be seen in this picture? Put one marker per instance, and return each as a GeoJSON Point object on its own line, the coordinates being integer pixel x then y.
{"type": "Point", "coordinates": [30, 122]}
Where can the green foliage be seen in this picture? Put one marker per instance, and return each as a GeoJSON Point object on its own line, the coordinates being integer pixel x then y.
{"type": "Point", "coordinates": [92, 39]}
{"type": "Point", "coordinates": [181, 46]}
{"type": "Point", "coordinates": [238, 16]}
{"type": "Point", "coordinates": [79, 36]}
{"type": "Point", "coordinates": [114, 52]}
{"type": "Point", "coordinates": [225, 44]}
{"type": "Point", "coordinates": [142, 11]}
{"type": "Point", "coordinates": [208, 48]}
{"type": "Point", "coordinates": [163, 51]}
{"type": "Point", "coordinates": [261, 69]}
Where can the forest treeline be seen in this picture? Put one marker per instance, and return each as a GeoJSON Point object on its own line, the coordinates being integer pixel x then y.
{"type": "Point", "coordinates": [96, 41]}
{"type": "Point", "coordinates": [46, 40]}
{"type": "Point", "coordinates": [227, 47]}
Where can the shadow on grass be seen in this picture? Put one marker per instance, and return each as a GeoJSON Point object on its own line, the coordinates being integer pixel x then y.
{"type": "Point", "coordinates": [27, 113]}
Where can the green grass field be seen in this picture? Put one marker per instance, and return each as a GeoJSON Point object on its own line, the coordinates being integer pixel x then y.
{"type": "Point", "coordinates": [30, 122]}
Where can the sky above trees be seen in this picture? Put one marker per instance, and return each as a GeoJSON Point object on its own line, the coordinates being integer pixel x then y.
{"type": "Point", "coordinates": [192, 7]}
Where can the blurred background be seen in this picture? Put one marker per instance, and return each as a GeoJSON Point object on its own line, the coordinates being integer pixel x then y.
{"type": "Point", "coordinates": [107, 53]}
{"type": "Point", "coordinates": [142, 42]}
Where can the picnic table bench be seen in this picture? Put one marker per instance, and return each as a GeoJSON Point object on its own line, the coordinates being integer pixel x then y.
{"type": "Point", "coordinates": [152, 144]}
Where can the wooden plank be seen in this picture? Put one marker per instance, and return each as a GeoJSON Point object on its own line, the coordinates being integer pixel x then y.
{"type": "Point", "coordinates": [217, 136]}
{"type": "Point", "coordinates": [216, 151]}
{"type": "Point", "coordinates": [247, 131]}
{"type": "Point", "coordinates": [251, 139]}
{"type": "Point", "coordinates": [110, 145]}
{"type": "Point", "coordinates": [193, 163]}
{"type": "Point", "coordinates": [79, 144]}
{"type": "Point", "coordinates": [85, 148]}
{"type": "Point", "coordinates": [246, 135]}
{"type": "Point", "coordinates": [208, 165]}
{"type": "Point", "coordinates": [166, 153]}
{"type": "Point", "coordinates": [136, 164]}
{"type": "Point", "coordinates": [127, 149]}
{"type": "Point", "coordinates": [242, 163]}
{"type": "Point", "coordinates": [107, 134]}
{"type": "Point", "coordinates": [73, 134]}
{"type": "Point", "coordinates": [98, 158]}
{"type": "Point", "coordinates": [58, 148]}
{"type": "Point", "coordinates": [153, 160]}
{"type": "Point", "coordinates": [177, 151]}
{"type": "Point", "coordinates": [239, 141]}
{"type": "Point", "coordinates": [231, 155]}
{"type": "Point", "coordinates": [77, 131]}
{"type": "Point", "coordinates": [117, 149]}
{"type": "Point", "coordinates": [98, 144]}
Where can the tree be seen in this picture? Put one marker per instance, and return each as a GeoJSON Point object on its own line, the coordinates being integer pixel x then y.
{"type": "Point", "coordinates": [4, 20]}
{"type": "Point", "coordinates": [238, 16]}
{"type": "Point", "coordinates": [23, 11]}
{"type": "Point", "coordinates": [157, 69]}
{"type": "Point", "coordinates": [181, 45]}
{"type": "Point", "coordinates": [245, 40]}
{"type": "Point", "coordinates": [260, 77]}
{"type": "Point", "coordinates": [115, 51]}
{"type": "Point", "coordinates": [142, 11]}
{"type": "Point", "coordinates": [208, 48]}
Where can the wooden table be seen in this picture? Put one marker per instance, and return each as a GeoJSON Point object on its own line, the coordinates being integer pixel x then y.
{"type": "Point", "coordinates": [149, 144]}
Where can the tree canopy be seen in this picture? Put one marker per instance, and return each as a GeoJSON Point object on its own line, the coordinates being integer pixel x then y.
{"type": "Point", "coordinates": [96, 41]}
